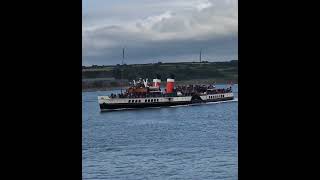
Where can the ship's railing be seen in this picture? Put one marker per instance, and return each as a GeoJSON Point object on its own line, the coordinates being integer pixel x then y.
{"type": "Point", "coordinates": [174, 94]}
{"type": "Point", "coordinates": [142, 95]}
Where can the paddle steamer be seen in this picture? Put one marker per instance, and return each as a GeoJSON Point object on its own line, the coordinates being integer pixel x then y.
{"type": "Point", "coordinates": [142, 94]}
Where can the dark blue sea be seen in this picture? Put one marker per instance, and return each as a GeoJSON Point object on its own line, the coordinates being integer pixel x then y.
{"type": "Point", "coordinates": [189, 142]}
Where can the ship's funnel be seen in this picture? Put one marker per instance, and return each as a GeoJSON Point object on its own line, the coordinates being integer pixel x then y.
{"type": "Point", "coordinates": [157, 81]}
{"type": "Point", "coordinates": [170, 84]}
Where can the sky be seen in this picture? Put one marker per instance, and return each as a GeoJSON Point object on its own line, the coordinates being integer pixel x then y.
{"type": "Point", "coordinates": [158, 30]}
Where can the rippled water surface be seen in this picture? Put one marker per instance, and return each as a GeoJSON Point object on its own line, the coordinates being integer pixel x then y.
{"type": "Point", "coordinates": [190, 142]}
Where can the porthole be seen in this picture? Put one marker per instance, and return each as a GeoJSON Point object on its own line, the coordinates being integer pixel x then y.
{"type": "Point", "coordinates": [145, 100]}
{"type": "Point", "coordinates": [129, 101]}
{"type": "Point", "coordinates": [139, 100]}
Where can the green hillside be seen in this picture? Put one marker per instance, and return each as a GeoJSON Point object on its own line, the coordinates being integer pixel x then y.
{"type": "Point", "coordinates": [107, 76]}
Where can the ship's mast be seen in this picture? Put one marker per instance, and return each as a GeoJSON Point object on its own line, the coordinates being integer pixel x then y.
{"type": "Point", "coordinates": [200, 55]}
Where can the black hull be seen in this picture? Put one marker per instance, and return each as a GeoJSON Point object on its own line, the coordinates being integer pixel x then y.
{"type": "Point", "coordinates": [142, 105]}
{"type": "Point", "coordinates": [220, 99]}
{"type": "Point", "coordinates": [106, 107]}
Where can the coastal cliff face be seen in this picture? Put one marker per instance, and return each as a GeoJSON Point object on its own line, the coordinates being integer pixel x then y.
{"type": "Point", "coordinates": [108, 77]}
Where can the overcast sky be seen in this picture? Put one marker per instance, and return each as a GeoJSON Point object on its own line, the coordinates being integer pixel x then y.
{"type": "Point", "coordinates": [158, 30]}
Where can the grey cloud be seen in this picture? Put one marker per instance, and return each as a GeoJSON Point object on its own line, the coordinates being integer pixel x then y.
{"type": "Point", "coordinates": [170, 36]}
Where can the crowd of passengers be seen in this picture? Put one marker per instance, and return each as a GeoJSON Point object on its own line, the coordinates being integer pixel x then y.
{"type": "Point", "coordinates": [185, 90]}
{"type": "Point", "coordinates": [201, 89]}
{"type": "Point", "coordinates": [219, 91]}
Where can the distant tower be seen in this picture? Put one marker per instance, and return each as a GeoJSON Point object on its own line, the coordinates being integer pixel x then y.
{"type": "Point", "coordinates": [122, 55]}
{"type": "Point", "coordinates": [121, 69]}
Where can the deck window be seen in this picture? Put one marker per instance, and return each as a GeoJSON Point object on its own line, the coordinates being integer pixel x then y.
{"type": "Point", "coordinates": [145, 100]}
{"type": "Point", "coordinates": [139, 100]}
{"type": "Point", "coordinates": [129, 101]}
